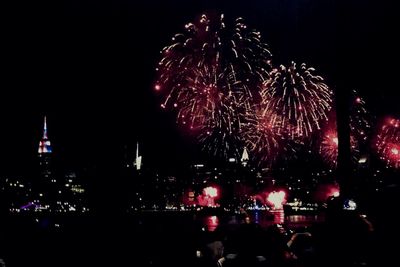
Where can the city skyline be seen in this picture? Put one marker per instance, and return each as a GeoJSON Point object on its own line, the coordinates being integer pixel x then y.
{"type": "Point", "coordinates": [199, 133]}
{"type": "Point", "coordinates": [87, 112]}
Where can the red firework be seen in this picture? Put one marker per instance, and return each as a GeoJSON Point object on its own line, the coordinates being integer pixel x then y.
{"type": "Point", "coordinates": [388, 142]}
{"type": "Point", "coordinates": [297, 98]}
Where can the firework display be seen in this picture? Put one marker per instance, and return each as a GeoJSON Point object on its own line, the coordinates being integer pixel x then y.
{"type": "Point", "coordinates": [218, 78]}
{"type": "Point", "coordinates": [299, 98]}
{"type": "Point", "coordinates": [360, 125]}
{"type": "Point", "coordinates": [329, 147]}
{"type": "Point", "coordinates": [210, 74]}
{"type": "Point", "coordinates": [388, 142]}
{"type": "Point", "coordinates": [263, 137]}
{"type": "Point", "coordinates": [277, 199]}
{"type": "Point", "coordinates": [360, 119]}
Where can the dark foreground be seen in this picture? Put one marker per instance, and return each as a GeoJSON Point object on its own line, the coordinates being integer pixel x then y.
{"type": "Point", "coordinates": [190, 239]}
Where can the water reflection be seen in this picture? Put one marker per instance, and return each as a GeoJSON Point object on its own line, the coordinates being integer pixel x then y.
{"type": "Point", "coordinates": [256, 217]}
{"type": "Point", "coordinates": [262, 218]}
{"type": "Point", "coordinates": [303, 220]}
{"type": "Point", "coordinates": [212, 223]}
{"type": "Point", "coordinates": [279, 216]}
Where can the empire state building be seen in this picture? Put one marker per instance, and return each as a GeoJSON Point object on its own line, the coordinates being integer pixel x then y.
{"type": "Point", "coordinates": [44, 153]}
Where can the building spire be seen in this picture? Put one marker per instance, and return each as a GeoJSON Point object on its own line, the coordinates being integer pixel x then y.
{"type": "Point", "coordinates": [45, 129]}
{"type": "Point", "coordinates": [138, 159]}
{"type": "Point", "coordinates": [245, 157]}
{"type": "Point", "coordinates": [44, 144]}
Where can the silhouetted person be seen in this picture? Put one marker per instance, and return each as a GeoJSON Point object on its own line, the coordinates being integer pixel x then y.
{"type": "Point", "coordinates": [245, 246]}
{"type": "Point", "coordinates": [383, 213]}
{"type": "Point", "coordinates": [301, 246]}
{"type": "Point", "coordinates": [344, 239]}
{"type": "Point", "coordinates": [276, 246]}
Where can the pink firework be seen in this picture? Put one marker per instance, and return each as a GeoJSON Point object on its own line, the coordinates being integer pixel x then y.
{"type": "Point", "coordinates": [210, 75]}
{"type": "Point", "coordinates": [207, 198]}
{"type": "Point", "coordinates": [277, 199]}
{"type": "Point", "coordinates": [329, 147]}
{"type": "Point", "coordinates": [360, 119]}
{"type": "Point", "coordinates": [388, 142]}
{"type": "Point", "coordinates": [211, 191]}
{"type": "Point", "coordinates": [261, 137]}
{"type": "Point", "coordinates": [359, 130]}
{"type": "Point", "coordinates": [298, 98]}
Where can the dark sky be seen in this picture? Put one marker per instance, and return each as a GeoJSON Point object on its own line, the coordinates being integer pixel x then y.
{"type": "Point", "coordinates": [89, 66]}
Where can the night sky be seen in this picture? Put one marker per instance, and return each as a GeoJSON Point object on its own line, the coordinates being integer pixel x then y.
{"type": "Point", "coordinates": [89, 66]}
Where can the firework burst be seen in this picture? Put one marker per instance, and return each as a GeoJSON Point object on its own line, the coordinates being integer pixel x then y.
{"type": "Point", "coordinates": [388, 143]}
{"type": "Point", "coordinates": [210, 75]}
{"type": "Point", "coordinates": [260, 136]}
{"type": "Point", "coordinates": [360, 119]}
{"type": "Point", "coordinates": [360, 126]}
{"type": "Point", "coordinates": [298, 98]}
{"type": "Point", "coordinates": [329, 147]}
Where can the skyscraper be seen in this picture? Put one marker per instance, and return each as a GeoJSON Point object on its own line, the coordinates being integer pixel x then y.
{"type": "Point", "coordinates": [138, 159]}
{"type": "Point", "coordinates": [47, 188]}
{"type": "Point", "coordinates": [44, 153]}
{"type": "Point", "coordinates": [245, 157]}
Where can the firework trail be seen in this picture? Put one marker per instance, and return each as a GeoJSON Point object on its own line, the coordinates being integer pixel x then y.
{"type": "Point", "coordinates": [210, 75]}
{"type": "Point", "coordinates": [297, 98]}
{"type": "Point", "coordinates": [360, 119]}
{"type": "Point", "coordinates": [360, 126]}
{"type": "Point", "coordinates": [388, 142]}
{"type": "Point", "coordinates": [261, 137]}
{"type": "Point", "coordinates": [329, 147]}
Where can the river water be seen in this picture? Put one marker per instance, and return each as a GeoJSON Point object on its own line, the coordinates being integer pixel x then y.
{"type": "Point", "coordinates": [143, 239]}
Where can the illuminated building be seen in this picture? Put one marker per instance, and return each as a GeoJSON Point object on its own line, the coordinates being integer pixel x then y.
{"type": "Point", "coordinates": [138, 159]}
{"type": "Point", "coordinates": [44, 153]}
{"type": "Point", "coordinates": [73, 194]}
{"type": "Point", "coordinates": [47, 187]}
{"type": "Point", "coordinates": [17, 192]}
{"type": "Point", "coordinates": [245, 157]}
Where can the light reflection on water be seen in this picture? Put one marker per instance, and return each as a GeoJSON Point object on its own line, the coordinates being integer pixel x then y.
{"type": "Point", "coordinates": [263, 218]}
{"type": "Point", "coordinates": [212, 223]}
